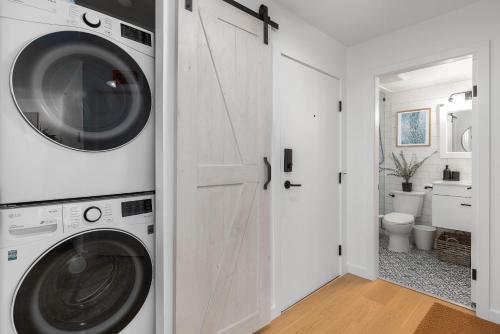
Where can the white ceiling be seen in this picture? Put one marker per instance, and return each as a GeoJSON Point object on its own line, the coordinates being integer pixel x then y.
{"type": "Point", "coordinates": [459, 70]}
{"type": "Point", "coordinates": [355, 21]}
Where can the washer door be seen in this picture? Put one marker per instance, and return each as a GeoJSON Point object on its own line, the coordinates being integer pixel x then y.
{"type": "Point", "coordinates": [81, 91]}
{"type": "Point", "coordinates": [92, 283]}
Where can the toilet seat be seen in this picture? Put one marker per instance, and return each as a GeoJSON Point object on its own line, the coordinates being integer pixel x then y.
{"type": "Point", "coordinates": [399, 218]}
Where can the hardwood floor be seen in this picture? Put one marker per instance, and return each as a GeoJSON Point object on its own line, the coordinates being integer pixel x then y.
{"type": "Point", "coordinates": [354, 305]}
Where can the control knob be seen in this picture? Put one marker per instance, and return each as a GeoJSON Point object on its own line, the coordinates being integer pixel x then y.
{"type": "Point", "coordinates": [92, 20]}
{"type": "Point", "coordinates": [92, 214]}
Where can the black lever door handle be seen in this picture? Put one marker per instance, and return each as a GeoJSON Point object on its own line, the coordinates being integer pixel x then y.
{"type": "Point", "coordinates": [468, 205]}
{"type": "Point", "coordinates": [269, 172]}
{"type": "Point", "coordinates": [289, 184]}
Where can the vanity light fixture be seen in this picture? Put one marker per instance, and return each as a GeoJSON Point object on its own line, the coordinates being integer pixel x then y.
{"type": "Point", "coordinates": [467, 95]}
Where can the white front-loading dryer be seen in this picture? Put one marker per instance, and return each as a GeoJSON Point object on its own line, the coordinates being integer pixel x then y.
{"type": "Point", "coordinates": [78, 267]}
{"type": "Point", "coordinates": [76, 103]}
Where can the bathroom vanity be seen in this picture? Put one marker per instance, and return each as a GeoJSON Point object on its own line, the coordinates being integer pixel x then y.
{"type": "Point", "coordinates": [452, 205]}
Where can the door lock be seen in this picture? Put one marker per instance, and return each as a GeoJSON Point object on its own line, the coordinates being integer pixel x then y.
{"type": "Point", "coordinates": [289, 184]}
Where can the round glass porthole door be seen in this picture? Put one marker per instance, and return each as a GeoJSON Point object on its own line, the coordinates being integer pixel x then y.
{"type": "Point", "coordinates": [92, 283]}
{"type": "Point", "coordinates": [81, 91]}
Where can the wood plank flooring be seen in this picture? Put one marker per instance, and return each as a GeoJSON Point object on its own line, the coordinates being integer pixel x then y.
{"type": "Point", "coordinates": [351, 305]}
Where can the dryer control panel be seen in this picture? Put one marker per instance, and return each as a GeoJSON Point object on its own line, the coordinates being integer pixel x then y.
{"type": "Point", "coordinates": [64, 13]}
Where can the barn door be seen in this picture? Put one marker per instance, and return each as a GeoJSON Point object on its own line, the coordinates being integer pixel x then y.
{"type": "Point", "coordinates": [223, 212]}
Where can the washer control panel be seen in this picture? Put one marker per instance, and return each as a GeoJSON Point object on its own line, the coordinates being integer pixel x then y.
{"type": "Point", "coordinates": [112, 212]}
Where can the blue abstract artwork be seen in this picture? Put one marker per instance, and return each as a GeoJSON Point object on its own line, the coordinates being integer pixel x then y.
{"type": "Point", "coordinates": [414, 128]}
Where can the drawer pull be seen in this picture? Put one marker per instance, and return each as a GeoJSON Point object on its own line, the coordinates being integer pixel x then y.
{"type": "Point", "coordinates": [467, 205]}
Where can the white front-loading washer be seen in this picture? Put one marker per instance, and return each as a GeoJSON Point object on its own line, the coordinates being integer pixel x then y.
{"type": "Point", "coordinates": [76, 103]}
{"type": "Point", "coordinates": [78, 267]}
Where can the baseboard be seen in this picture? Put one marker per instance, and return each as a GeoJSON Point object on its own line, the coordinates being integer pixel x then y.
{"type": "Point", "coordinates": [358, 271]}
{"type": "Point", "coordinates": [490, 315]}
{"type": "Point", "coordinates": [275, 312]}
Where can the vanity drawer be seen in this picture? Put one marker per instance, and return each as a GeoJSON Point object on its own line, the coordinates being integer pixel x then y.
{"type": "Point", "coordinates": [450, 212]}
{"type": "Point", "coordinates": [452, 190]}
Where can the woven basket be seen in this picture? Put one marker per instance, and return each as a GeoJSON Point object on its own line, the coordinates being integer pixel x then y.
{"type": "Point", "coordinates": [454, 247]}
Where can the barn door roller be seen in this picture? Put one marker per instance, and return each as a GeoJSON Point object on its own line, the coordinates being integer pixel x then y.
{"type": "Point", "coordinates": [262, 15]}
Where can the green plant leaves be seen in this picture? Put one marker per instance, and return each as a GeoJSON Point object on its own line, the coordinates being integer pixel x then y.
{"type": "Point", "coordinates": [404, 168]}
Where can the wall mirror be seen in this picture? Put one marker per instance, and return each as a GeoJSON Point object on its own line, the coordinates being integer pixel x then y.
{"type": "Point", "coordinates": [456, 131]}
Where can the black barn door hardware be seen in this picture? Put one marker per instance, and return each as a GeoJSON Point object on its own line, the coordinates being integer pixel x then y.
{"type": "Point", "coordinates": [262, 15]}
{"type": "Point", "coordinates": [269, 172]}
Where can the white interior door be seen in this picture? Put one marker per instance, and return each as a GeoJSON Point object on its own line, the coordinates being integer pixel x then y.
{"type": "Point", "coordinates": [309, 214]}
{"type": "Point", "coordinates": [223, 212]}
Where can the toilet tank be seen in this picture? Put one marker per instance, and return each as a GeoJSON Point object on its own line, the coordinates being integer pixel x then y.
{"type": "Point", "coordinates": [409, 203]}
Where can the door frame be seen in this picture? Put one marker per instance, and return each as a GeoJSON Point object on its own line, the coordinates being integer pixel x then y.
{"type": "Point", "coordinates": [165, 144]}
{"type": "Point", "coordinates": [480, 166]}
{"type": "Point", "coordinates": [276, 177]}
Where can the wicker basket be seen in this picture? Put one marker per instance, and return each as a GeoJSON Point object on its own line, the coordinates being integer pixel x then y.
{"type": "Point", "coordinates": [454, 247]}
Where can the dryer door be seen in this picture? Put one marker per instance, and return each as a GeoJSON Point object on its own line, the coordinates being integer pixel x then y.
{"type": "Point", "coordinates": [92, 283]}
{"type": "Point", "coordinates": [81, 91]}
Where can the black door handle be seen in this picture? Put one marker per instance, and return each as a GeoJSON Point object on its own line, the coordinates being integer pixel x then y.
{"type": "Point", "coordinates": [269, 172]}
{"type": "Point", "coordinates": [464, 204]}
{"type": "Point", "coordinates": [289, 184]}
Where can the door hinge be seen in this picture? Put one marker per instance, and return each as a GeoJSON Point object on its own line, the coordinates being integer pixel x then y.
{"type": "Point", "coordinates": [188, 5]}
{"type": "Point", "coordinates": [474, 274]}
{"type": "Point", "coordinates": [340, 250]}
{"type": "Point", "coordinates": [340, 106]}
{"type": "Point", "coordinates": [340, 178]}
{"type": "Point", "coordinates": [474, 91]}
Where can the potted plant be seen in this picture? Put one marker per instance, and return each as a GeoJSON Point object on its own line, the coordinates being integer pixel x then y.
{"type": "Point", "coordinates": [406, 169]}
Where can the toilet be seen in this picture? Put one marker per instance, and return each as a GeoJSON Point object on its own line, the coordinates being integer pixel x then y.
{"type": "Point", "coordinates": [399, 224]}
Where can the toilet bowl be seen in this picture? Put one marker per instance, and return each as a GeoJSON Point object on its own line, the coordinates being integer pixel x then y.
{"type": "Point", "coordinates": [399, 224]}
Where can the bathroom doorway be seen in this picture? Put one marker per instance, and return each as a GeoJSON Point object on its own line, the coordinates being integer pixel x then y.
{"type": "Point", "coordinates": [426, 117]}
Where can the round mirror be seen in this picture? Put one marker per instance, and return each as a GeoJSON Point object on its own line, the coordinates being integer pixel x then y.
{"type": "Point", "coordinates": [467, 140]}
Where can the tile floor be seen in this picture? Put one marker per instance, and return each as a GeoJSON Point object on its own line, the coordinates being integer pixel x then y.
{"type": "Point", "coordinates": [422, 270]}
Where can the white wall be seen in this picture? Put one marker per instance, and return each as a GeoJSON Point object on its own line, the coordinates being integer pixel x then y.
{"type": "Point", "coordinates": [478, 22]}
{"type": "Point", "coordinates": [432, 170]}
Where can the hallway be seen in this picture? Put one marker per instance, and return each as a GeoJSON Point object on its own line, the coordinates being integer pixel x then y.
{"type": "Point", "coordinates": [354, 305]}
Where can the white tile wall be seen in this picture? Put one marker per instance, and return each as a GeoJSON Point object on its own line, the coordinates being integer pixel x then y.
{"type": "Point", "coordinates": [432, 170]}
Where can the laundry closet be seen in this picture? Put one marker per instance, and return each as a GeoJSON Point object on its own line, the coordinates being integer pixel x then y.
{"type": "Point", "coordinates": [77, 152]}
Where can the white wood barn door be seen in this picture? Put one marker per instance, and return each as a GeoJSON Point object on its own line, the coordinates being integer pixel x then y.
{"type": "Point", "coordinates": [223, 239]}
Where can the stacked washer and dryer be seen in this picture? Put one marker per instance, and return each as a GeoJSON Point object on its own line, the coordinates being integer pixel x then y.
{"type": "Point", "coordinates": [76, 171]}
